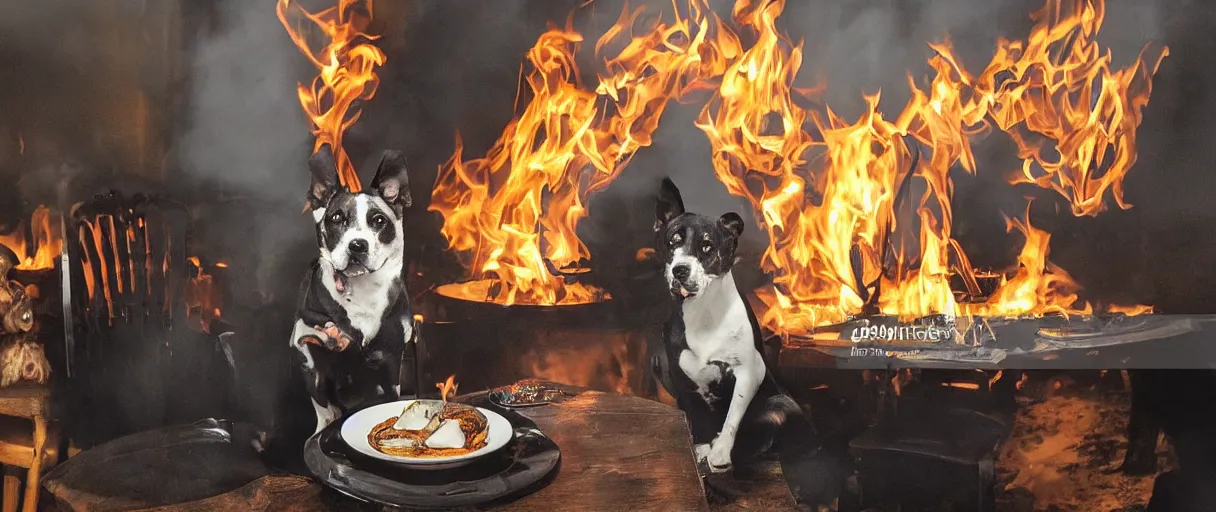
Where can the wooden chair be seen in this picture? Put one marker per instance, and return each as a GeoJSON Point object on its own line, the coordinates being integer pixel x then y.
{"type": "Point", "coordinates": [27, 440]}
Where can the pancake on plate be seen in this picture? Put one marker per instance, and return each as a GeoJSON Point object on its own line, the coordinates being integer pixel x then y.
{"type": "Point", "coordinates": [431, 429]}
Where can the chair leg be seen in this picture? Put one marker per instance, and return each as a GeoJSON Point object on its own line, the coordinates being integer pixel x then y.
{"type": "Point", "coordinates": [12, 490]}
{"type": "Point", "coordinates": [32, 482]}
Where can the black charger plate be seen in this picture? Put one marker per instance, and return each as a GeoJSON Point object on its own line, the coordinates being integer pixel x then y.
{"type": "Point", "coordinates": [511, 471]}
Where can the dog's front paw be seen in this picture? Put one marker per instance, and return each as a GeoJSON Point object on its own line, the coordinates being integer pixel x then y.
{"type": "Point", "coordinates": [718, 456]}
{"type": "Point", "coordinates": [335, 339]}
{"type": "Point", "coordinates": [714, 456]}
{"type": "Point", "coordinates": [338, 340]}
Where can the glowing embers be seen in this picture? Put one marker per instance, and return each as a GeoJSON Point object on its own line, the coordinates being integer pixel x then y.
{"type": "Point", "coordinates": [590, 345]}
{"type": "Point", "coordinates": [37, 241]}
{"type": "Point", "coordinates": [202, 295]}
{"type": "Point", "coordinates": [492, 291]}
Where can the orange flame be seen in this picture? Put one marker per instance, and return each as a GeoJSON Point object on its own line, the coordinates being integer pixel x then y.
{"type": "Point", "coordinates": [347, 73]}
{"type": "Point", "coordinates": [829, 204]}
{"type": "Point", "coordinates": [447, 388]}
{"type": "Point", "coordinates": [513, 213]}
{"type": "Point", "coordinates": [995, 378]}
{"type": "Point", "coordinates": [202, 296]}
{"type": "Point", "coordinates": [1058, 86]}
{"type": "Point", "coordinates": [847, 233]}
{"type": "Point", "coordinates": [1038, 287]}
{"type": "Point", "coordinates": [46, 241]}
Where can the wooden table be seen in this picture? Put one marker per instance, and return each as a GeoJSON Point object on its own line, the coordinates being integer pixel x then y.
{"type": "Point", "coordinates": [618, 453]}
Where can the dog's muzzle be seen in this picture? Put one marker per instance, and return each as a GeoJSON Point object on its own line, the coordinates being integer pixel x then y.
{"type": "Point", "coordinates": [680, 287]}
{"type": "Point", "coordinates": [682, 290]}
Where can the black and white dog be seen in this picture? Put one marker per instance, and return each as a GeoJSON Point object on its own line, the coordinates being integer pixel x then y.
{"type": "Point", "coordinates": [353, 315]}
{"type": "Point", "coordinates": [735, 407]}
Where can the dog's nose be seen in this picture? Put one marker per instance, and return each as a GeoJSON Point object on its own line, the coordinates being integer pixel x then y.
{"type": "Point", "coordinates": [681, 272]}
{"type": "Point", "coordinates": [358, 246]}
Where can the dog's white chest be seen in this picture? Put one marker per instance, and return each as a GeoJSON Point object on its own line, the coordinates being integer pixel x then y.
{"type": "Point", "coordinates": [718, 335]}
{"type": "Point", "coordinates": [366, 302]}
{"type": "Point", "coordinates": [367, 313]}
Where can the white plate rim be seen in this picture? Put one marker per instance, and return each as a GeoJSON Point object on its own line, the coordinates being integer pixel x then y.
{"type": "Point", "coordinates": [356, 427]}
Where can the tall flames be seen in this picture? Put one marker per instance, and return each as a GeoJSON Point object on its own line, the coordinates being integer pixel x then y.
{"type": "Point", "coordinates": [858, 212]}
{"type": "Point", "coordinates": [846, 234]}
{"type": "Point", "coordinates": [1056, 93]}
{"type": "Point", "coordinates": [346, 66]}
{"type": "Point", "coordinates": [513, 213]}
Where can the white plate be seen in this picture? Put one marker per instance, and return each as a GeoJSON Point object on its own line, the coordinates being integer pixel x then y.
{"type": "Point", "coordinates": [360, 424]}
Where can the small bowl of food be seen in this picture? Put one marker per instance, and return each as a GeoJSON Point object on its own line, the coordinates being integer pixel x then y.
{"type": "Point", "coordinates": [426, 434]}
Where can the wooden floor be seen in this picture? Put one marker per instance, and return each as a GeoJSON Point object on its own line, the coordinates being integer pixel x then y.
{"type": "Point", "coordinates": [764, 491]}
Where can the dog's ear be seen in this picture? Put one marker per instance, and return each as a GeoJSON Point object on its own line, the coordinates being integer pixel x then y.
{"type": "Point", "coordinates": [732, 222]}
{"type": "Point", "coordinates": [392, 181]}
{"type": "Point", "coordinates": [670, 204]}
{"type": "Point", "coordinates": [324, 177]}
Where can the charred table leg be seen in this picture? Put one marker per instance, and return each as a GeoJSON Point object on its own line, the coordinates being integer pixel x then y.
{"type": "Point", "coordinates": [1143, 431]}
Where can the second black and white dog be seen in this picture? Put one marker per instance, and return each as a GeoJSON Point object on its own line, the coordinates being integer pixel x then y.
{"type": "Point", "coordinates": [353, 315]}
{"type": "Point", "coordinates": [734, 405]}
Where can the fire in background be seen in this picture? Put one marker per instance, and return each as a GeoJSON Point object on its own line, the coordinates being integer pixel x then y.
{"type": "Point", "coordinates": [511, 215]}
{"type": "Point", "coordinates": [828, 192]}
{"type": "Point", "coordinates": [111, 265]}
{"type": "Point", "coordinates": [848, 237]}
{"type": "Point", "coordinates": [37, 242]}
{"type": "Point", "coordinates": [204, 302]}
{"type": "Point", "coordinates": [346, 66]}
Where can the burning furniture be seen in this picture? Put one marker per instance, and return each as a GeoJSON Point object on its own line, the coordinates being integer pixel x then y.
{"type": "Point", "coordinates": [125, 292]}
{"type": "Point", "coordinates": [27, 437]}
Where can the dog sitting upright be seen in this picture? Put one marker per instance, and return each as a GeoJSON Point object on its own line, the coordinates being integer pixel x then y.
{"type": "Point", "coordinates": [353, 315]}
{"type": "Point", "coordinates": [734, 406]}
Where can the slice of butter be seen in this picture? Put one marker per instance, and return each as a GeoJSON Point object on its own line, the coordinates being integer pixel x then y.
{"type": "Point", "coordinates": [416, 416]}
{"type": "Point", "coordinates": [448, 435]}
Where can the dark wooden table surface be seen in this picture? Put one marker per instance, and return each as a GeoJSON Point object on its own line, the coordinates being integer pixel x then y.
{"type": "Point", "coordinates": [619, 453]}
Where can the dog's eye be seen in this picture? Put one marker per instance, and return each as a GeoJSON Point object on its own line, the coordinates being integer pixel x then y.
{"type": "Point", "coordinates": [336, 217]}
{"type": "Point", "coordinates": [707, 247]}
{"type": "Point", "coordinates": [378, 221]}
{"type": "Point", "coordinates": [676, 239]}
